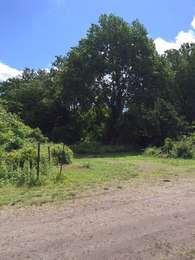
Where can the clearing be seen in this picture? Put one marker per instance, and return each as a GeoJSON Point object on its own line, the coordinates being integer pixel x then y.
{"type": "Point", "coordinates": [146, 212]}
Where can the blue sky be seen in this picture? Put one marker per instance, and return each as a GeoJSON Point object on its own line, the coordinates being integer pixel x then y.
{"type": "Point", "coordinates": [34, 31]}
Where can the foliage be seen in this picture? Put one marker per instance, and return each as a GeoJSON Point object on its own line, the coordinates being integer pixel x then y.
{"type": "Point", "coordinates": [20, 166]}
{"type": "Point", "coordinates": [184, 70]}
{"type": "Point", "coordinates": [113, 86]}
{"type": "Point", "coordinates": [182, 148]}
{"type": "Point", "coordinates": [178, 149]}
{"type": "Point", "coordinates": [168, 146]}
{"type": "Point", "coordinates": [152, 151]}
{"type": "Point", "coordinates": [88, 147]}
{"type": "Point", "coordinates": [93, 174]}
{"type": "Point", "coordinates": [14, 133]}
{"type": "Point", "coordinates": [111, 93]}
{"type": "Point", "coordinates": [19, 155]}
{"type": "Point", "coordinates": [61, 154]}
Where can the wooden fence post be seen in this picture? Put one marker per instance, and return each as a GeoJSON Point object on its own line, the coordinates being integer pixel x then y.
{"type": "Point", "coordinates": [49, 154]}
{"type": "Point", "coordinates": [38, 160]}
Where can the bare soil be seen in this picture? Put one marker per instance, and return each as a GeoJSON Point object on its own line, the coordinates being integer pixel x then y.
{"type": "Point", "coordinates": [137, 222]}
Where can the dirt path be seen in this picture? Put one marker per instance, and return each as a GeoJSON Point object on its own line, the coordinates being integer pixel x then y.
{"type": "Point", "coordinates": [143, 222]}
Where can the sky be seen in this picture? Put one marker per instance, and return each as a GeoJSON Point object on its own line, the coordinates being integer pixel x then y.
{"type": "Point", "coordinates": [33, 32]}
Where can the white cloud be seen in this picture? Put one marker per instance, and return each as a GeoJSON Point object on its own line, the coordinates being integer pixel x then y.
{"type": "Point", "coordinates": [181, 38]}
{"type": "Point", "coordinates": [8, 72]}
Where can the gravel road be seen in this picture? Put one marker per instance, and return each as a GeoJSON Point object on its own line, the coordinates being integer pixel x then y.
{"type": "Point", "coordinates": [137, 222]}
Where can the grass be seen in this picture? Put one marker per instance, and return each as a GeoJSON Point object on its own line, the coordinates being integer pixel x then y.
{"type": "Point", "coordinates": [95, 174]}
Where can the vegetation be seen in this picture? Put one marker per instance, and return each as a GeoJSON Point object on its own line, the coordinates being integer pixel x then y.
{"type": "Point", "coordinates": [14, 134]}
{"type": "Point", "coordinates": [88, 147]}
{"type": "Point", "coordinates": [21, 163]}
{"type": "Point", "coordinates": [112, 93]}
{"type": "Point", "coordinates": [184, 147]}
{"type": "Point", "coordinates": [94, 175]}
{"type": "Point", "coordinates": [113, 88]}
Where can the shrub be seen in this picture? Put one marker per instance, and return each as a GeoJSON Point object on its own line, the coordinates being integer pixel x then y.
{"type": "Point", "coordinates": [152, 151]}
{"type": "Point", "coordinates": [183, 149]}
{"type": "Point", "coordinates": [18, 152]}
{"type": "Point", "coordinates": [36, 136]}
{"type": "Point", "coordinates": [95, 148]}
{"type": "Point", "coordinates": [61, 154]}
{"type": "Point", "coordinates": [168, 146]}
{"type": "Point", "coordinates": [18, 158]}
{"type": "Point", "coordinates": [13, 144]}
{"type": "Point", "coordinates": [20, 166]}
{"type": "Point", "coordinates": [86, 147]}
{"type": "Point", "coordinates": [178, 149]}
{"type": "Point", "coordinates": [14, 134]}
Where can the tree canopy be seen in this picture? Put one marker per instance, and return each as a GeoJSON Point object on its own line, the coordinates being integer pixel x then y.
{"type": "Point", "coordinates": [113, 87]}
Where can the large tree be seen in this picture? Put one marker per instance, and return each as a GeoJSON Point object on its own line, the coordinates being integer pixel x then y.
{"type": "Point", "coordinates": [112, 87]}
{"type": "Point", "coordinates": [115, 66]}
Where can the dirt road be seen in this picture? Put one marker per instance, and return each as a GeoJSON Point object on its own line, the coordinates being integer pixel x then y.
{"type": "Point", "coordinates": [142, 222]}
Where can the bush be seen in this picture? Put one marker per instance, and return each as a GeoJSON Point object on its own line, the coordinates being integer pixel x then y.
{"type": "Point", "coordinates": [36, 136]}
{"type": "Point", "coordinates": [20, 166]}
{"type": "Point", "coordinates": [61, 154]}
{"type": "Point", "coordinates": [18, 152]}
{"type": "Point", "coordinates": [86, 147]}
{"type": "Point", "coordinates": [17, 158]}
{"type": "Point", "coordinates": [178, 149]}
{"type": "Point", "coordinates": [91, 147]}
{"type": "Point", "coordinates": [152, 151]}
{"type": "Point", "coordinates": [168, 146]}
{"type": "Point", "coordinates": [14, 134]}
{"type": "Point", "coordinates": [13, 144]}
{"type": "Point", "coordinates": [183, 149]}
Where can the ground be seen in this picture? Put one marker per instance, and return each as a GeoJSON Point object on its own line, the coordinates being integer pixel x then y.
{"type": "Point", "coordinates": [148, 216]}
{"type": "Point", "coordinates": [89, 175]}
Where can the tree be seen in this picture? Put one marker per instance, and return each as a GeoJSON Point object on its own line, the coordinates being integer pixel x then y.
{"type": "Point", "coordinates": [113, 87]}
{"type": "Point", "coordinates": [185, 81]}
{"type": "Point", "coordinates": [31, 98]}
{"type": "Point", "coordinates": [114, 66]}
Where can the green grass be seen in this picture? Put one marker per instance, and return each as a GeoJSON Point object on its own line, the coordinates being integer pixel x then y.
{"type": "Point", "coordinates": [88, 175]}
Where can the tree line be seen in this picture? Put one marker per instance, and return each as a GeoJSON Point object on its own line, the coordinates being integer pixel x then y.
{"type": "Point", "coordinates": [112, 88]}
